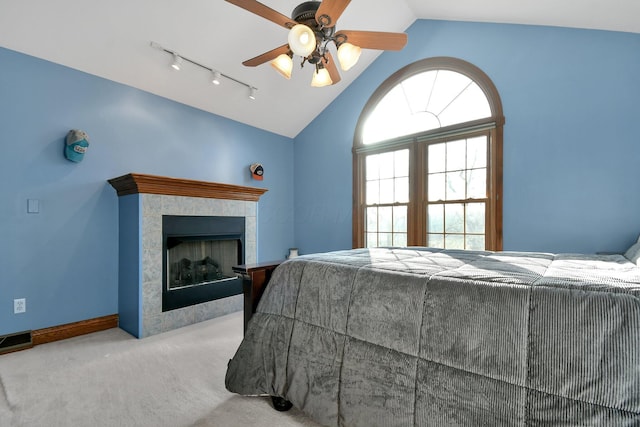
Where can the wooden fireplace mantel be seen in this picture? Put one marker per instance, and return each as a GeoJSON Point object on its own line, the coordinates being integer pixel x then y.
{"type": "Point", "coordinates": [134, 183]}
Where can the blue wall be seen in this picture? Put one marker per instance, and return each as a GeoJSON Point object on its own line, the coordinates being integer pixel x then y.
{"type": "Point", "coordinates": [571, 139]}
{"type": "Point", "coordinates": [64, 260]}
{"type": "Point", "coordinates": [571, 151]}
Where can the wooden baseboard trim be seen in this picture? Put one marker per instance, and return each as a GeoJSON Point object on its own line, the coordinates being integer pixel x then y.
{"type": "Point", "coordinates": [70, 330]}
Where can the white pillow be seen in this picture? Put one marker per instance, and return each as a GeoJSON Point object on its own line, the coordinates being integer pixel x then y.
{"type": "Point", "coordinates": [633, 253]}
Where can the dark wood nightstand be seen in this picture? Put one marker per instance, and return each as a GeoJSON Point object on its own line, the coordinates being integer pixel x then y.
{"type": "Point", "coordinates": [254, 280]}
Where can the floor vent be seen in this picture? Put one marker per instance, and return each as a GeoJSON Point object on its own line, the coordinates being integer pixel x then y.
{"type": "Point", "coordinates": [15, 342]}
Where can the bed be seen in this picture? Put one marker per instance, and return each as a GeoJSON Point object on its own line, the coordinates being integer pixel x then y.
{"type": "Point", "coordinates": [433, 337]}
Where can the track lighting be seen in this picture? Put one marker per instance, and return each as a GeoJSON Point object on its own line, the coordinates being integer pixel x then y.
{"type": "Point", "coordinates": [321, 77]}
{"type": "Point", "coordinates": [215, 79]}
{"type": "Point", "coordinates": [177, 62]}
{"type": "Point", "coordinates": [216, 76]}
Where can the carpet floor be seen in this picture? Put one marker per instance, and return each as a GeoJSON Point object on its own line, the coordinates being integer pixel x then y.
{"type": "Point", "coordinates": [109, 378]}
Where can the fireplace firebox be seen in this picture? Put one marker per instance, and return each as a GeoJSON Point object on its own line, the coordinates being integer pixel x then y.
{"type": "Point", "coordinates": [199, 253]}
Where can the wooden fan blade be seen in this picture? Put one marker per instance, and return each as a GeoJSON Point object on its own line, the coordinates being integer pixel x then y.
{"type": "Point", "coordinates": [330, 65]}
{"type": "Point", "coordinates": [267, 56]}
{"type": "Point", "coordinates": [373, 39]}
{"type": "Point", "coordinates": [329, 11]}
{"type": "Point", "coordinates": [266, 12]}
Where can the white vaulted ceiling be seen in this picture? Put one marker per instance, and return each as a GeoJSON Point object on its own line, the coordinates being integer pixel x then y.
{"type": "Point", "coordinates": [111, 39]}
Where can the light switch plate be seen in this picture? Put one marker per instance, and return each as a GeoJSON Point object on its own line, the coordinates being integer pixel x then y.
{"type": "Point", "coordinates": [33, 206]}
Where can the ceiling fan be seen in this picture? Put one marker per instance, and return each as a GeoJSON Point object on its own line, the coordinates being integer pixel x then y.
{"type": "Point", "coordinates": [311, 29]}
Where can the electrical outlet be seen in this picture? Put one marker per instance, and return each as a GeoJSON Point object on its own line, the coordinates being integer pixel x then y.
{"type": "Point", "coordinates": [19, 305]}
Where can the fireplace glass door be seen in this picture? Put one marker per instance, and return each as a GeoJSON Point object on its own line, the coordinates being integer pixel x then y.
{"type": "Point", "coordinates": [198, 261]}
{"type": "Point", "coordinates": [199, 256]}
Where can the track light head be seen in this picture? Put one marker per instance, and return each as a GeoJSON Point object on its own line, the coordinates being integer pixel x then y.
{"type": "Point", "coordinates": [252, 92]}
{"type": "Point", "coordinates": [177, 62]}
{"type": "Point", "coordinates": [215, 79]}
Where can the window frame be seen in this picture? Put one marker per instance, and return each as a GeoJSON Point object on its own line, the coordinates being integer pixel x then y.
{"type": "Point", "coordinates": [417, 144]}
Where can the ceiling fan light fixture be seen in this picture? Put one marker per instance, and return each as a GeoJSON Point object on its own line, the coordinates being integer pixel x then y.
{"type": "Point", "coordinates": [348, 55]}
{"type": "Point", "coordinates": [177, 62]}
{"type": "Point", "coordinates": [302, 40]}
{"type": "Point", "coordinates": [215, 78]}
{"type": "Point", "coordinates": [284, 65]}
{"type": "Point", "coordinates": [321, 78]}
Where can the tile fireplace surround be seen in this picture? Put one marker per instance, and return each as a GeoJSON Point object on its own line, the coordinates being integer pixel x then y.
{"type": "Point", "coordinates": [142, 201]}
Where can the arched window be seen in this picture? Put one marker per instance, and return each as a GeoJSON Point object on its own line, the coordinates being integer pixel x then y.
{"type": "Point", "coordinates": [428, 160]}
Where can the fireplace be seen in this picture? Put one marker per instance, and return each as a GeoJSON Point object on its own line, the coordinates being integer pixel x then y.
{"type": "Point", "coordinates": [199, 254]}
{"type": "Point", "coordinates": [210, 225]}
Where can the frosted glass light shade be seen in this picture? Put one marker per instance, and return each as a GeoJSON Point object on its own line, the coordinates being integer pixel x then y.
{"type": "Point", "coordinates": [321, 78]}
{"type": "Point", "coordinates": [302, 40]}
{"type": "Point", "coordinates": [283, 64]}
{"type": "Point", "coordinates": [348, 55]}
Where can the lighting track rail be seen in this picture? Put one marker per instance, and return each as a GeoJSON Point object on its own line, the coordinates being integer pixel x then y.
{"type": "Point", "coordinates": [216, 75]}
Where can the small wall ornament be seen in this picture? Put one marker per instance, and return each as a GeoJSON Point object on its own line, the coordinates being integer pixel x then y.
{"type": "Point", "coordinates": [257, 171]}
{"type": "Point", "coordinates": [76, 144]}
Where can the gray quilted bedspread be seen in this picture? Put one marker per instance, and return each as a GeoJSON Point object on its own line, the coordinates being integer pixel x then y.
{"type": "Point", "coordinates": [430, 337]}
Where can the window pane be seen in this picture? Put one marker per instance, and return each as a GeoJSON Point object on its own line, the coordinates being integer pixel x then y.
{"type": "Point", "coordinates": [385, 239]}
{"type": "Point", "coordinates": [386, 161]}
{"type": "Point", "coordinates": [385, 219]}
{"type": "Point", "coordinates": [372, 167]}
{"type": "Point", "coordinates": [435, 240]}
{"type": "Point", "coordinates": [437, 158]}
{"type": "Point", "coordinates": [471, 104]}
{"type": "Point", "coordinates": [475, 218]}
{"type": "Point", "coordinates": [372, 219]}
{"type": "Point", "coordinates": [448, 85]}
{"type": "Point", "coordinates": [399, 219]}
{"type": "Point", "coordinates": [402, 190]}
{"type": "Point", "coordinates": [477, 184]}
{"type": "Point", "coordinates": [402, 163]}
{"type": "Point", "coordinates": [417, 89]}
{"type": "Point", "coordinates": [454, 241]}
{"type": "Point", "coordinates": [477, 152]}
{"type": "Point", "coordinates": [372, 240]}
{"type": "Point", "coordinates": [456, 155]}
{"type": "Point", "coordinates": [386, 191]}
{"type": "Point", "coordinates": [455, 185]}
{"type": "Point", "coordinates": [435, 219]}
{"type": "Point", "coordinates": [373, 192]}
{"type": "Point", "coordinates": [383, 121]}
{"type": "Point", "coordinates": [399, 239]}
{"type": "Point", "coordinates": [436, 187]}
{"type": "Point", "coordinates": [475, 242]}
{"type": "Point", "coordinates": [454, 218]}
